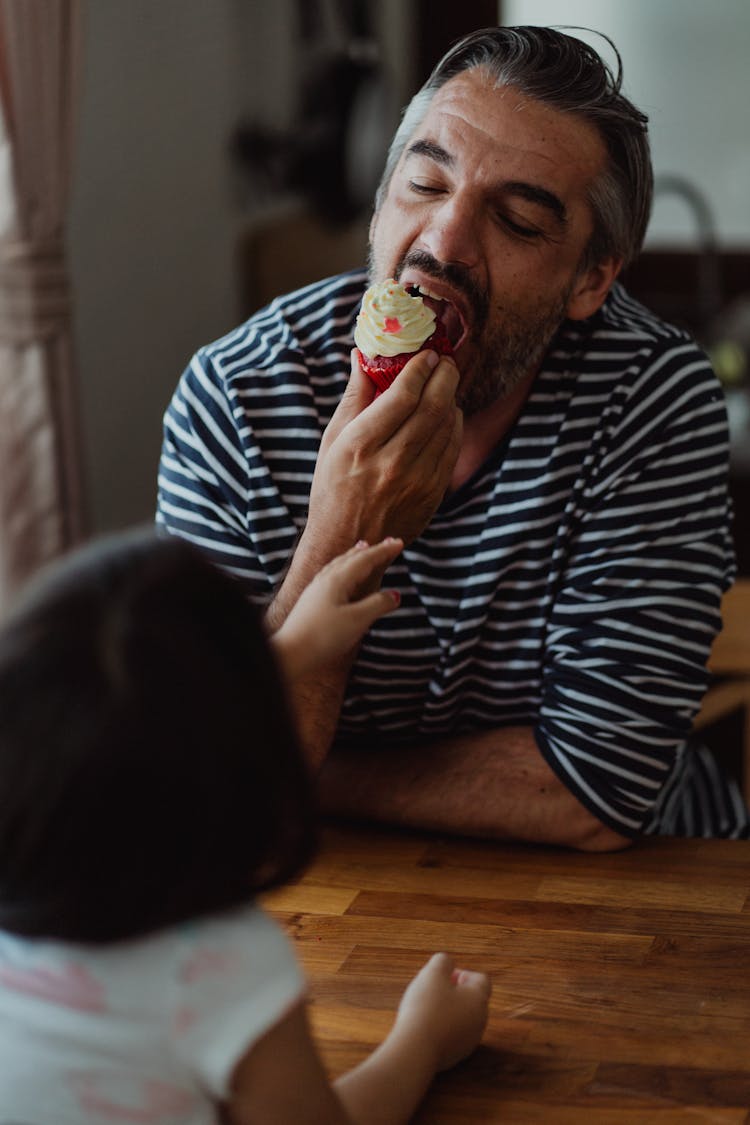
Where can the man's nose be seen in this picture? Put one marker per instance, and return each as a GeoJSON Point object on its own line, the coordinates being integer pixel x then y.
{"type": "Point", "coordinates": [451, 233]}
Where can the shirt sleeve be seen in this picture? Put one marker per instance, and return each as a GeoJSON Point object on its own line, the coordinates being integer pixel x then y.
{"type": "Point", "coordinates": [239, 449]}
{"type": "Point", "coordinates": [203, 472]}
{"type": "Point", "coordinates": [237, 978]}
{"type": "Point", "coordinates": [638, 605]}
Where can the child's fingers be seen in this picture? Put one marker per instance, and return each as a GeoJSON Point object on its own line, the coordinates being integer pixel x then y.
{"type": "Point", "coordinates": [367, 610]}
{"type": "Point", "coordinates": [362, 560]}
{"type": "Point", "coordinates": [375, 553]}
{"type": "Point", "coordinates": [440, 964]}
{"type": "Point", "coordinates": [470, 979]}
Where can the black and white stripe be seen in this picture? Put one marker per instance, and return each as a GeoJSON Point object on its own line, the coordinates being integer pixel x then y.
{"type": "Point", "coordinates": [573, 584]}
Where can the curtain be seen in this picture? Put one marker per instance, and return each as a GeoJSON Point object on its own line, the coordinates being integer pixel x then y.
{"type": "Point", "coordinates": [41, 497]}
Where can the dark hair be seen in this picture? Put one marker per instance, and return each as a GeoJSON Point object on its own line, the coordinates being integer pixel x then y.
{"type": "Point", "coordinates": [569, 75]}
{"type": "Point", "coordinates": [149, 770]}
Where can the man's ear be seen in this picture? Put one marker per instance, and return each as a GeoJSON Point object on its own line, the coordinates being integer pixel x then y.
{"type": "Point", "coordinates": [591, 287]}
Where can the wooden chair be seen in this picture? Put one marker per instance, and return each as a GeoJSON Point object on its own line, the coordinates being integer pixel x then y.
{"type": "Point", "coordinates": [730, 660]}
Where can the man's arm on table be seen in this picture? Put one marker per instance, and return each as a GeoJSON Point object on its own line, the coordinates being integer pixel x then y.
{"type": "Point", "coordinates": [493, 784]}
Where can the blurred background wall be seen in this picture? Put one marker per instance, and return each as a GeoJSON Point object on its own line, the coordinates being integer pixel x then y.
{"type": "Point", "coordinates": [152, 225]}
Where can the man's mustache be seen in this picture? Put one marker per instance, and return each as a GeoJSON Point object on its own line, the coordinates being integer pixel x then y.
{"type": "Point", "coordinates": [456, 276]}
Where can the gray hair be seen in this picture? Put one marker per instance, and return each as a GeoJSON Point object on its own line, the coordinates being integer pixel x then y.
{"type": "Point", "coordinates": [569, 75]}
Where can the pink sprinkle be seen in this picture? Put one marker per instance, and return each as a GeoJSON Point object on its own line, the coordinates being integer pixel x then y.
{"type": "Point", "coordinates": [392, 324]}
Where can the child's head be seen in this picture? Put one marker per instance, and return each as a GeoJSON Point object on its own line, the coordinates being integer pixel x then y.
{"type": "Point", "coordinates": [149, 770]}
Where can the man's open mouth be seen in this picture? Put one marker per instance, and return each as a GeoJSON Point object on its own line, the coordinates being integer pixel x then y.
{"type": "Point", "coordinates": [445, 311]}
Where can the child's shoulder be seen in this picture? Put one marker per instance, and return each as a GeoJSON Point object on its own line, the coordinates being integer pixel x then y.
{"type": "Point", "coordinates": [244, 946]}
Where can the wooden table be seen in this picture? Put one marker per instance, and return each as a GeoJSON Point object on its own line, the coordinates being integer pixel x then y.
{"type": "Point", "coordinates": [621, 982]}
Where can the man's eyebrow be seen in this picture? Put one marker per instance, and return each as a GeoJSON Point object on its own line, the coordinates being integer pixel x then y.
{"type": "Point", "coordinates": [535, 194]}
{"type": "Point", "coordinates": [434, 151]}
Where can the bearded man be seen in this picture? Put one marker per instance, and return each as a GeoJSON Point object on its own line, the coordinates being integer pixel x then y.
{"type": "Point", "coordinates": [560, 486]}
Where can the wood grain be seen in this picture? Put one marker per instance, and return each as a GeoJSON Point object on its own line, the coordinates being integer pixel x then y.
{"type": "Point", "coordinates": [731, 649]}
{"type": "Point", "coordinates": [621, 982]}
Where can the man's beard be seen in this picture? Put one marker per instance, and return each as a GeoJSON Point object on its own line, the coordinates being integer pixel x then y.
{"type": "Point", "coordinates": [513, 350]}
{"type": "Point", "coordinates": [508, 352]}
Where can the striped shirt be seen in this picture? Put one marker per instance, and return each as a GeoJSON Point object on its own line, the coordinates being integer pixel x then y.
{"type": "Point", "coordinates": [572, 585]}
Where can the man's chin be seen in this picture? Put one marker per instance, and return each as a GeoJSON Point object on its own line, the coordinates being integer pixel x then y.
{"type": "Point", "coordinates": [477, 395]}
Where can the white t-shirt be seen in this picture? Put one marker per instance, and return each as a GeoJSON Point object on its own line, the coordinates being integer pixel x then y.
{"type": "Point", "coordinates": [144, 1031]}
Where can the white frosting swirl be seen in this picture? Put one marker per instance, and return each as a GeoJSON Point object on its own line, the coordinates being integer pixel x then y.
{"type": "Point", "coordinates": [391, 321]}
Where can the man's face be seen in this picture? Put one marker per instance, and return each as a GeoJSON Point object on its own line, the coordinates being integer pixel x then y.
{"type": "Point", "coordinates": [487, 210]}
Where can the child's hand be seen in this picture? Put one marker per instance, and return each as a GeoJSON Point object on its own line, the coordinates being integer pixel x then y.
{"type": "Point", "coordinates": [447, 1006]}
{"type": "Point", "coordinates": [332, 613]}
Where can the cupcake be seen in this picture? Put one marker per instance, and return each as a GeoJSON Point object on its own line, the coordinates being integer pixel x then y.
{"type": "Point", "coordinates": [392, 325]}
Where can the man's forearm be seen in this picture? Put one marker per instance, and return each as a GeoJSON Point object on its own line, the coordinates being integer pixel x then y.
{"type": "Point", "coordinates": [492, 784]}
{"type": "Point", "coordinates": [316, 701]}
{"type": "Point", "coordinates": [316, 696]}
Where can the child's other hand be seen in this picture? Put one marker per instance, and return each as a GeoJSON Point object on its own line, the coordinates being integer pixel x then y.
{"type": "Point", "coordinates": [446, 1005]}
{"type": "Point", "coordinates": [333, 612]}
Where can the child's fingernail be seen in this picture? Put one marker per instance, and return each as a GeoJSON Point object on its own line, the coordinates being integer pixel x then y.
{"type": "Point", "coordinates": [361, 544]}
{"type": "Point", "coordinates": [396, 596]}
{"type": "Point", "coordinates": [432, 358]}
